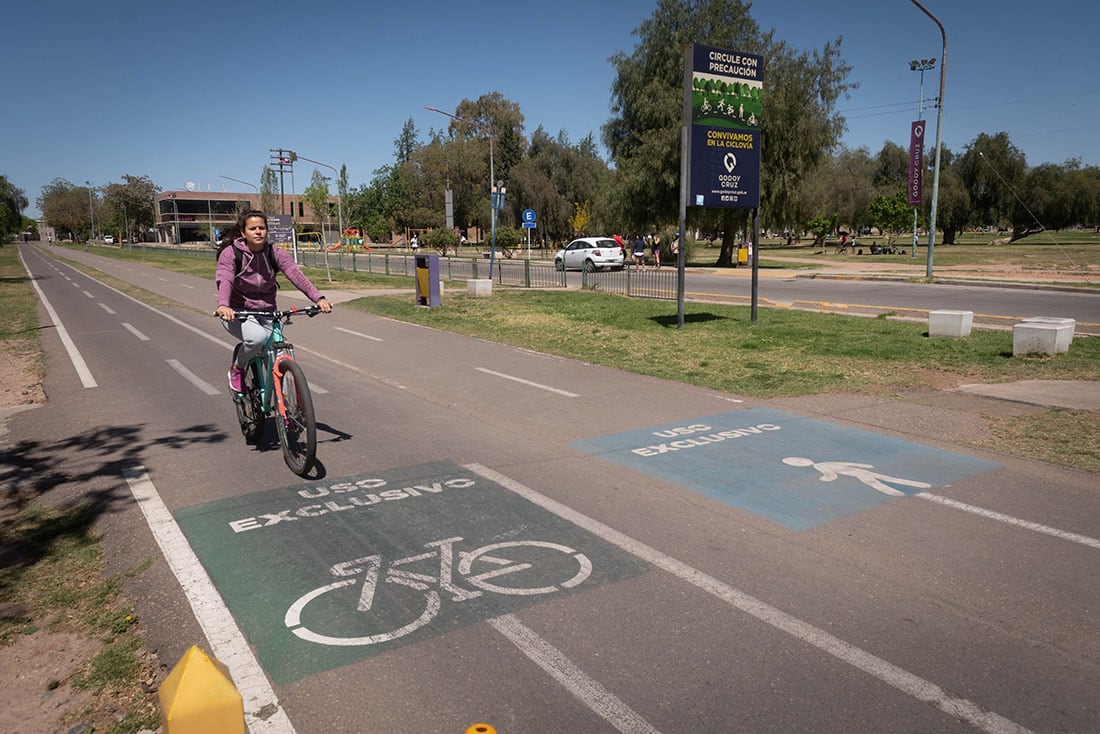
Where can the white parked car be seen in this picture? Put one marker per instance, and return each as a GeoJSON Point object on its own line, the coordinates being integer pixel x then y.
{"type": "Point", "coordinates": [108, 239]}
{"type": "Point", "coordinates": [590, 253]}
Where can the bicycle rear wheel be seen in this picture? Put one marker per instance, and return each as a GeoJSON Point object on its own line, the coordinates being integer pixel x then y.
{"type": "Point", "coordinates": [249, 410]}
{"type": "Point", "coordinates": [297, 429]}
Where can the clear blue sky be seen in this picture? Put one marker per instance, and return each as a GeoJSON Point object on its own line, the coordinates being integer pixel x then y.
{"type": "Point", "coordinates": [190, 92]}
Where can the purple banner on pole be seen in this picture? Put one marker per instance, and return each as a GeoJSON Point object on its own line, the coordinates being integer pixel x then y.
{"type": "Point", "coordinates": [915, 187]}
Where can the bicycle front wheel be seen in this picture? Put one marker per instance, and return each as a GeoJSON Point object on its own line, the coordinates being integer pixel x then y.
{"type": "Point", "coordinates": [297, 426]}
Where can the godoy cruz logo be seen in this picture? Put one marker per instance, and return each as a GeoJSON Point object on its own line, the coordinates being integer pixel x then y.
{"type": "Point", "coordinates": [730, 162]}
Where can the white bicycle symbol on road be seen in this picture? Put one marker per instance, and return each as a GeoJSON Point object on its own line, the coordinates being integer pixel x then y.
{"type": "Point", "coordinates": [524, 576]}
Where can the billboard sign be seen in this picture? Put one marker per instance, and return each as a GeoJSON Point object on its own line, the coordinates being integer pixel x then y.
{"type": "Point", "coordinates": [915, 182]}
{"type": "Point", "coordinates": [725, 117]}
{"type": "Point", "coordinates": [280, 230]}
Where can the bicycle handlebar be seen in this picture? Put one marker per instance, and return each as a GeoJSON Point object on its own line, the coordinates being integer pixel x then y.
{"type": "Point", "coordinates": [279, 315]}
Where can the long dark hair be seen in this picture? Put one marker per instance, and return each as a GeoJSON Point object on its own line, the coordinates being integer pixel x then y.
{"type": "Point", "coordinates": [247, 214]}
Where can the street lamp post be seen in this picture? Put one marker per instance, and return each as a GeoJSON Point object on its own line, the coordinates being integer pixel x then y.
{"type": "Point", "coordinates": [339, 202]}
{"type": "Point", "coordinates": [246, 183]}
{"type": "Point", "coordinates": [230, 178]}
{"type": "Point", "coordinates": [91, 214]}
{"type": "Point", "coordinates": [921, 65]}
{"type": "Point", "coordinates": [493, 183]}
{"type": "Point", "coordinates": [939, 136]}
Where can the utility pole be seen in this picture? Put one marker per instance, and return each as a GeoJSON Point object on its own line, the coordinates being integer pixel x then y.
{"type": "Point", "coordinates": [284, 161]}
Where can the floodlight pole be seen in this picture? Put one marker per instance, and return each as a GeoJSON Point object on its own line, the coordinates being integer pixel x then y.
{"type": "Point", "coordinates": [939, 137]}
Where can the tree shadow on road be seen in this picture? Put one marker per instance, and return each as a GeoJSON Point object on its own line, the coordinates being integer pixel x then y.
{"type": "Point", "coordinates": [79, 475]}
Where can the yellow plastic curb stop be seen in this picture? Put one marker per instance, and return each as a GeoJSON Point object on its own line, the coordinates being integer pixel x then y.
{"type": "Point", "coordinates": [198, 697]}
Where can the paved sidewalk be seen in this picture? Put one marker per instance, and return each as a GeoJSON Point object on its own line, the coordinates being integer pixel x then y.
{"type": "Point", "coordinates": [1076, 395]}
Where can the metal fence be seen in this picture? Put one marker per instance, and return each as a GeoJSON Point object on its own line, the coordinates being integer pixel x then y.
{"type": "Point", "coordinates": [648, 283]}
{"type": "Point", "coordinates": [518, 273]}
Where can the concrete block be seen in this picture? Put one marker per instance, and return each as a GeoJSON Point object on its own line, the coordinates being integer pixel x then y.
{"type": "Point", "coordinates": [1064, 338]}
{"type": "Point", "coordinates": [479, 287]}
{"type": "Point", "coordinates": [1035, 338]}
{"type": "Point", "coordinates": [950, 323]}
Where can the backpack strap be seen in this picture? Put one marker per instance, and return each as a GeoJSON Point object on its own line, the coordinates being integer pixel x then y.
{"type": "Point", "coordinates": [268, 253]}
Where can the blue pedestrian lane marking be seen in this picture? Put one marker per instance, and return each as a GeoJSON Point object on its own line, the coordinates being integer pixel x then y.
{"type": "Point", "coordinates": [797, 471]}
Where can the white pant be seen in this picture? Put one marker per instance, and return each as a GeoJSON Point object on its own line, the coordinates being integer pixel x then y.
{"type": "Point", "coordinates": [253, 332]}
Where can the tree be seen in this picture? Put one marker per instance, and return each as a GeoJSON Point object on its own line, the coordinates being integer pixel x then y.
{"type": "Point", "coordinates": [891, 213]}
{"type": "Point", "coordinates": [12, 203]}
{"type": "Point", "coordinates": [504, 119]}
{"type": "Point", "coordinates": [991, 169]}
{"type": "Point", "coordinates": [407, 143]}
{"type": "Point", "coordinates": [128, 206]}
{"type": "Point", "coordinates": [579, 221]}
{"type": "Point", "coordinates": [954, 211]}
{"type": "Point", "coordinates": [65, 207]}
{"type": "Point", "coordinates": [553, 178]}
{"type": "Point", "coordinates": [799, 127]}
{"type": "Point", "coordinates": [891, 166]}
{"type": "Point", "coordinates": [854, 186]}
{"type": "Point", "coordinates": [821, 227]}
{"type": "Point", "coordinates": [269, 190]}
{"type": "Point", "coordinates": [316, 195]}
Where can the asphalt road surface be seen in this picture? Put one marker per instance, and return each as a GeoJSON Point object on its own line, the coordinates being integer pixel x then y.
{"type": "Point", "coordinates": [993, 304]}
{"type": "Point", "coordinates": [501, 536]}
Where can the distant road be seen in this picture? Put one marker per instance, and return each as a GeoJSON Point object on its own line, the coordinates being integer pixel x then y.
{"type": "Point", "coordinates": [996, 300]}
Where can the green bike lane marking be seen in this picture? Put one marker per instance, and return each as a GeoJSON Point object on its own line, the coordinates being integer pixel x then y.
{"type": "Point", "coordinates": [327, 573]}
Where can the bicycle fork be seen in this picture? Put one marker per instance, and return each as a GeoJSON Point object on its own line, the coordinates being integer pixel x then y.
{"type": "Point", "coordinates": [277, 373]}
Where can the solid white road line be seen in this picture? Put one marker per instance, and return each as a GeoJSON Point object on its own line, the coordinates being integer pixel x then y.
{"type": "Point", "coordinates": [191, 377]}
{"type": "Point", "coordinates": [597, 698]}
{"type": "Point", "coordinates": [528, 382]}
{"type": "Point", "coordinates": [886, 672]}
{"type": "Point", "coordinates": [130, 328]}
{"type": "Point", "coordinates": [82, 370]}
{"type": "Point", "coordinates": [227, 643]}
{"type": "Point", "coordinates": [1045, 529]}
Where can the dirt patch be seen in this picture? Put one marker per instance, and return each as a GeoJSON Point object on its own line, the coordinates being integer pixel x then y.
{"type": "Point", "coordinates": [38, 667]}
{"type": "Point", "coordinates": [22, 383]}
{"type": "Point", "coordinates": [36, 670]}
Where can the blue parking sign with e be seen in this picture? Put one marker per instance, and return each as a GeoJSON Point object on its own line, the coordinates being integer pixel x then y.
{"type": "Point", "coordinates": [528, 215]}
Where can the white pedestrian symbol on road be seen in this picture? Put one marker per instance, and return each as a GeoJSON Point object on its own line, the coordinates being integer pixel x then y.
{"type": "Point", "coordinates": [832, 470]}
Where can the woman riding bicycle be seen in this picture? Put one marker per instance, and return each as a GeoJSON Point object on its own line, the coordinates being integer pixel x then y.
{"type": "Point", "coordinates": [246, 280]}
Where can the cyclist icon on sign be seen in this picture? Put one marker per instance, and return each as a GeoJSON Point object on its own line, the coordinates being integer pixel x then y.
{"type": "Point", "coordinates": [832, 470]}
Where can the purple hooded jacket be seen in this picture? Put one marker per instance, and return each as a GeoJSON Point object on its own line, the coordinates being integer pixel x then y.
{"type": "Point", "coordinates": [253, 289]}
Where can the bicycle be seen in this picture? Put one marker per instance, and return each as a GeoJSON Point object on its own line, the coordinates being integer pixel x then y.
{"type": "Point", "coordinates": [482, 568]}
{"type": "Point", "coordinates": [274, 385]}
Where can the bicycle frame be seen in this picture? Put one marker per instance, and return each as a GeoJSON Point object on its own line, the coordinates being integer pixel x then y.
{"type": "Point", "coordinates": [276, 350]}
{"type": "Point", "coordinates": [269, 374]}
{"type": "Point", "coordinates": [270, 359]}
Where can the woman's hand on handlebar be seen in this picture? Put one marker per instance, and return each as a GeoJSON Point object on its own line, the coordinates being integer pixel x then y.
{"type": "Point", "coordinates": [324, 305]}
{"type": "Point", "coordinates": [225, 313]}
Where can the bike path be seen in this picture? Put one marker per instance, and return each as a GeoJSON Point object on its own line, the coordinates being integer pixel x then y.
{"type": "Point", "coordinates": [319, 544]}
{"type": "Point", "coordinates": [618, 493]}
